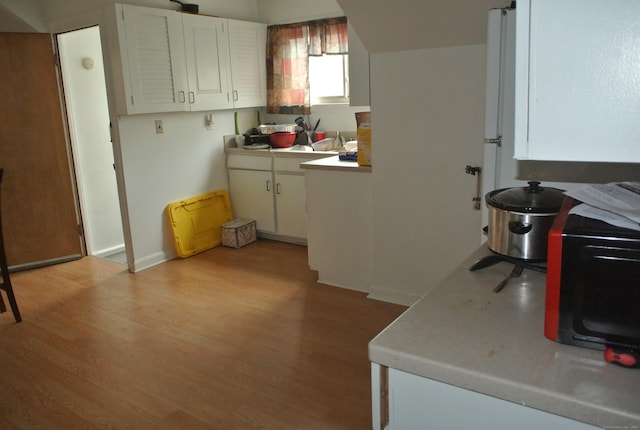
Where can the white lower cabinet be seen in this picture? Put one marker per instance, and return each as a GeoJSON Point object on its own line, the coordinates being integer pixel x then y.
{"type": "Point", "coordinates": [252, 197]}
{"type": "Point", "coordinates": [270, 189]}
{"type": "Point", "coordinates": [291, 211]}
{"type": "Point", "coordinates": [415, 403]}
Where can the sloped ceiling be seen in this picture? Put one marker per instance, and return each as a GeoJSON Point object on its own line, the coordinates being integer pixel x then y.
{"type": "Point", "coordinates": [407, 25]}
{"type": "Point", "coordinates": [382, 25]}
{"type": "Point", "coordinates": [19, 17]}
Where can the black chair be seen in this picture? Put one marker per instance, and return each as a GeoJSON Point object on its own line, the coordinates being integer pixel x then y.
{"type": "Point", "coordinates": [6, 281]}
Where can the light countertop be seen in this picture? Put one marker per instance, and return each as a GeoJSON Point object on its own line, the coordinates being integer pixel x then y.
{"type": "Point", "coordinates": [322, 160]}
{"type": "Point", "coordinates": [284, 152]}
{"type": "Point", "coordinates": [334, 163]}
{"type": "Point", "coordinates": [463, 334]}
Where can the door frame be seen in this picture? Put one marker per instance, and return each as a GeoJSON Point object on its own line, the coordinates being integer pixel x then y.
{"type": "Point", "coordinates": [84, 94]}
{"type": "Point", "coordinates": [92, 19]}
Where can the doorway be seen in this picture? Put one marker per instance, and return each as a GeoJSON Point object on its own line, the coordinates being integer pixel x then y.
{"type": "Point", "coordinates": [85, 96]}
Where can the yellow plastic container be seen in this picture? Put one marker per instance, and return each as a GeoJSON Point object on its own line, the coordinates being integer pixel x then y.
{"type": "Point", "coordinates": [196, 221]}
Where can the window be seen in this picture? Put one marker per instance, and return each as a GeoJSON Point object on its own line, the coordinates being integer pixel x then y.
{"type": "Point", "coordinates": [305, 55]}
{"type": "Point", "coordinates": [329, 79]}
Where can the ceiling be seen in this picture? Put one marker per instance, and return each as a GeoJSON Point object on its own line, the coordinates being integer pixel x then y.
{"type": "Point", "coordinates": [11, 23]}
{"type": "Point", "coordinates": [407, 25]}
{"type": "Point", "coordinates": [382, 25]}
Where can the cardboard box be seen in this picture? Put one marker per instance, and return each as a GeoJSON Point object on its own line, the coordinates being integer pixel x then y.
{"type": "Point", "coordinates": [238, 233]}
{"type": "Point", "coordinates": [363, 119]}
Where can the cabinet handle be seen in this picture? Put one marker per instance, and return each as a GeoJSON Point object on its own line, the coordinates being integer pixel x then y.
{"type": "Point", "coordinates": [182, 99]}
{"type": "Point", "coordinates": [268, 183]}
{"type": "Point", "coordinates": [235, 95]}
{"type": "Point", "coordinates": [192, 97]}
{"type": "Point", "coordinates": [278, 188]}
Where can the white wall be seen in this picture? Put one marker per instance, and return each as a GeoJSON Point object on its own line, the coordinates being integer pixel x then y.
{"type": "Point", "coordinates": [427, 124]}
{"type": "Point", "coordinates": [184, 161]}
{"type": "Point", "coordinates": [86, 99]}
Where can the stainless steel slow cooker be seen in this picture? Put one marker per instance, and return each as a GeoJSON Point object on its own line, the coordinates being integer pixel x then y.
{"type": "Point", "coordinates": [520, 219]}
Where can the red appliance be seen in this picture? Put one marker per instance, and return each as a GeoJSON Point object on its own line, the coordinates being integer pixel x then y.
{"type": "Point", "coordinates": [593, 285]}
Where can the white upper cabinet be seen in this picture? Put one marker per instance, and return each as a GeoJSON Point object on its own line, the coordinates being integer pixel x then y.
{"type": "Point", "coordinates": [152, 54]}
{"type": "Point", "coordinates": [248, 46]}
{"type": "Point", "coordinates": [577, 86]}
{"type": "Point", "coordinates": [167, 61]}
{"type": "Point", "coordinates": [207, 59]}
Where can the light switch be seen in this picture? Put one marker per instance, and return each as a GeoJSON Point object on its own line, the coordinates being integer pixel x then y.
{"type": "Point", "coordinates": [159, 127]}
{"type": "Point", "coordinates": [208, 121]}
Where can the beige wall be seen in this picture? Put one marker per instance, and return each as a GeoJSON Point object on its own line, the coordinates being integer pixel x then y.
{"type": "Point", "coordinates": [427, 124]}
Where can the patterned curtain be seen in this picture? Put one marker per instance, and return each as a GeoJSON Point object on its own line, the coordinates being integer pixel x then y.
{"type": "Point", "coordinates": [288, 49]}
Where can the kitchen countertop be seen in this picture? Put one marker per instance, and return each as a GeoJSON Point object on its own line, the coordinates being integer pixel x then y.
{"type": "Point", "coordinates": [463, 334]}
{"type": "Point", "coordinates": [285, 152]}
{"type": "Point", "coordinates": [231, 147]}
{"type": "Point", "coordinates": [323, 160]}
{"type": "Point", "coordinates": [334, 163]}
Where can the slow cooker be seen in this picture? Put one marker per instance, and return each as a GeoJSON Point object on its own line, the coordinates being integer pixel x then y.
{"type": "Point", "coordinates": [520, 219]}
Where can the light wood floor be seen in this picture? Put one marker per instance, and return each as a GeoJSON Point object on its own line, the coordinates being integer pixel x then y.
{"type": "Point", "coordinates": [227, 339]}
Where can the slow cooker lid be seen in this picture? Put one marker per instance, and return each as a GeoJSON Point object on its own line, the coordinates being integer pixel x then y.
{"type": "Point", "coordinates": [533, 199]}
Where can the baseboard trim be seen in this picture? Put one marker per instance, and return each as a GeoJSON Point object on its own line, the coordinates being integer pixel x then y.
{"type": "Point", "coordinates": [140, 264]}
{"type": "Point", "coordinates": [392, 296]}
{"type": "Point", "coordinates": [333, 284]}
{"type": "Point", "coordinates": [103, 253]}
{"type": "Point", "coordinates": [43, 263]}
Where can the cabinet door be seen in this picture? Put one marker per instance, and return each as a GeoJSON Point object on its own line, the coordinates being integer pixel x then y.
{"type": "Point", "coordinates": [207, 56]}
{"type": "Point", "coordinates": [248, 46]}
{"type": "Point", "coordinates": [291, 205]}
{"type": "Point", "coordinates": [251, 193]}
{"type": "Point", "coordinates": [577, 89]}
{"type": "Point", "coordinates": [416, 403]}
{"type": "Point", "coordinates": [154, 66]}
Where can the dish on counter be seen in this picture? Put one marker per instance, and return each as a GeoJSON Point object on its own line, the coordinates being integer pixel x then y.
{"type": "Point", "coordinates": [274, 128]}
{"type": "Point", "coordinates": [257, 146]}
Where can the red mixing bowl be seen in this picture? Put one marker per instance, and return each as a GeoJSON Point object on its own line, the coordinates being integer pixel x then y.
{"type": "Point", "coordinates": [282, 139]}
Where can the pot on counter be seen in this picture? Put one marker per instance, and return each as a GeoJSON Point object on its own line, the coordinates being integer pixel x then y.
{"type": "Point", "coordinates": [520, 219]}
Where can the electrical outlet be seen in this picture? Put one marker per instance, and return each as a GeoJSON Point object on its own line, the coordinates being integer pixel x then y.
{"type": "Point", "coordinates": [159, 127]}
